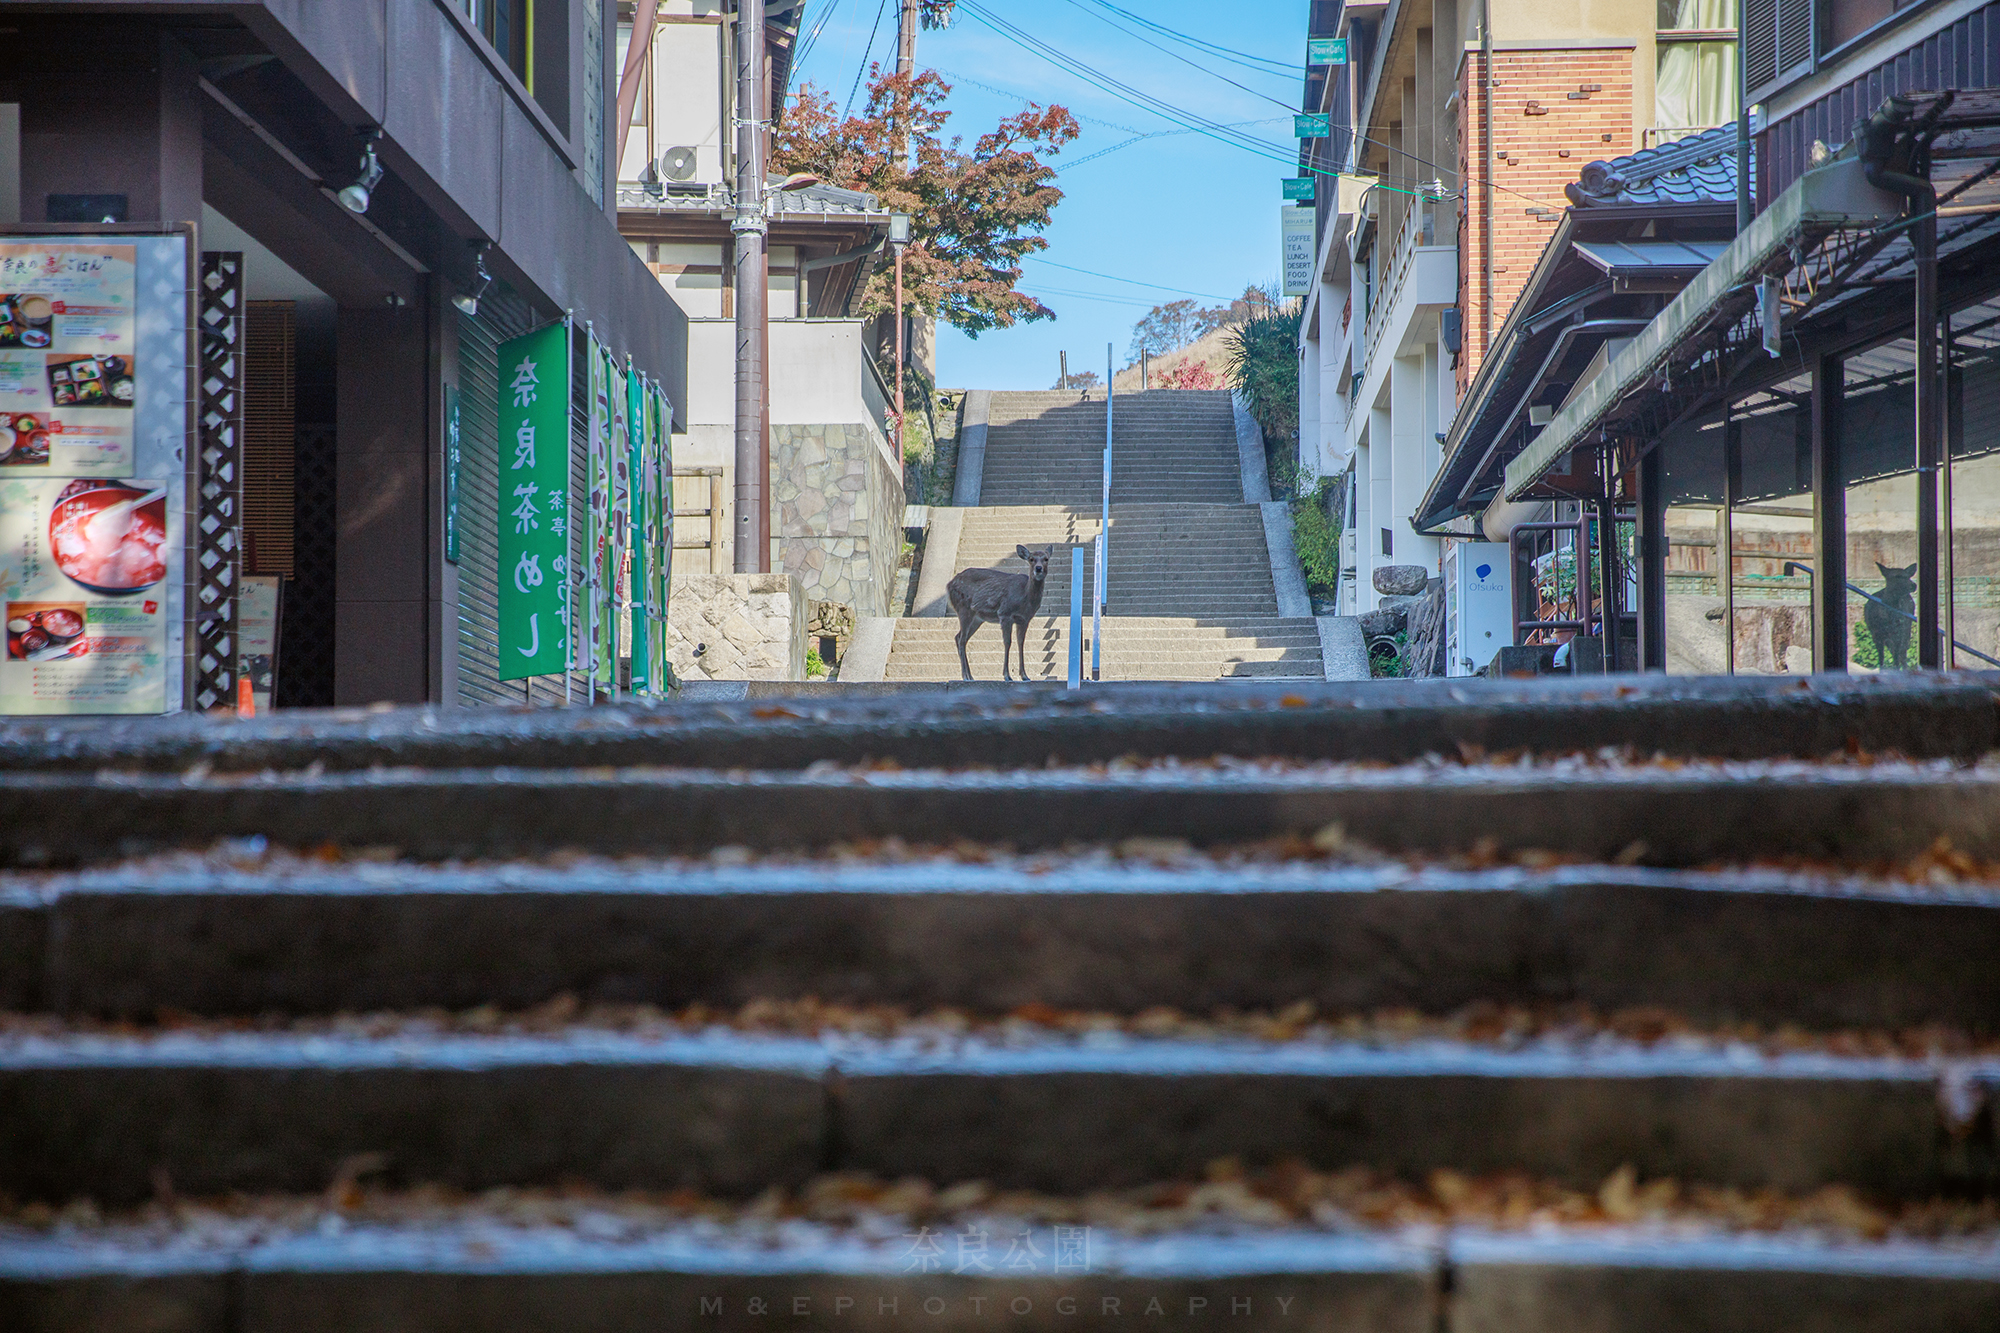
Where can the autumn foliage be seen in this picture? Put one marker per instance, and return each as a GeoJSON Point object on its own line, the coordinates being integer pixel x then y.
{"type": "Point", "coordinates": [974, 214]}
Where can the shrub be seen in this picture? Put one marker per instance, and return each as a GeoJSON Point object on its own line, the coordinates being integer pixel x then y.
{"type": "Point", "coordinates": [815, 667]}
{"type": "Point", "coordinates": [1264, 368]}
{"type": "Point", "coordinates": [1316, 537]}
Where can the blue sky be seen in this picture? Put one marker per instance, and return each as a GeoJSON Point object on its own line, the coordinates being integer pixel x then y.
{"type": "Point", "coordinates": [1180, 210]}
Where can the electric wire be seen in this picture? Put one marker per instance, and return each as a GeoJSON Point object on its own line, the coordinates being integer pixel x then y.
{"type": "Point", "coordinates": [1139, 136]}
{"type": "Point", "coordinates": [1192, 64]}
{"type": "Point", "coordinates": [812, 37]}
{"type": "Point", "coordinates": [1113, 277]}
{"type": "Point", "coordinates": [1202, 44]}
{"type": "Point", "coordinates": [1180, 116]}
{"type": "Point", "coordinates": [866, 51]}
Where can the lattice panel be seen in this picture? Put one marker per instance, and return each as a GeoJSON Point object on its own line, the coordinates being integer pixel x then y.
{"type": "Point", "coordinates": [219, 478]}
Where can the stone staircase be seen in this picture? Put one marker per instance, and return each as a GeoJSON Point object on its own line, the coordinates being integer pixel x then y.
{"type": "Point", "coordinates": [1190, 587]}
{"type": "Point", "coordinates": [730, 1015]}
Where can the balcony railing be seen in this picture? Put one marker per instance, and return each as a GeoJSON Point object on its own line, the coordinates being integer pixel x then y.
{"type": "Point", "coordinates": [1419, 228]}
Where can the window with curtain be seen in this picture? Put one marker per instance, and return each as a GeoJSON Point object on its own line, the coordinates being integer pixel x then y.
{"type": "Point", "coordinates": [1694, 84]}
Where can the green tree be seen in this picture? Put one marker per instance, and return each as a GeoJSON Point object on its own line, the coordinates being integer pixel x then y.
{"type": "Point", "coordinates": [974, 213]}
{"type": "Point", "coordinates": [1264, 367]}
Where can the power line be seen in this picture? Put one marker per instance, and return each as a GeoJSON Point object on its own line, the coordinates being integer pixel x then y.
{"type": "Point", "coordinates": [1083, 296]}
{"type": "Point", "coordinates": [812, 37]}
{"type": "Point", "coordinates": [1227, 52]}
{"type": "Point", "coordinates": [1181, 116]}
{"type": "Point", "coordinates": [1141, 135]}
{"type": "Point", "coordinates": [1189, 63]}
{"type": "Point", "coordinates": [1023, 97]}
{"type": "Point", "coordinates": [1113, 277]}
{"type": "Point", "coordinates": [866, 51]}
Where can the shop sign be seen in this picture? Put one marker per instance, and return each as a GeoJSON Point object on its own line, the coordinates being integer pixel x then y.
{"type": "Point", "coordinates": [1296, 229]}
{"type": "Point", "coordinates": [534, 509]}
{"type": "Point", "coordinates": [1312, 126]}
{"type": "Point", "coordinates": [1299, 188]}
{"type": "Point", "coordinates": [1326, 51]}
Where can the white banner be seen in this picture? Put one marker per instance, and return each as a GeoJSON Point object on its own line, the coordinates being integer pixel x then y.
{"type": "Point", "coordinates": [1297, 226]}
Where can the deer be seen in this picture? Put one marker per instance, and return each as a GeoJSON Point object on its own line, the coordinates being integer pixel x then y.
{"type": "Point", "coordinates": [1890, 630]}
{"type": "Point", "coordinates": [1009, 600]}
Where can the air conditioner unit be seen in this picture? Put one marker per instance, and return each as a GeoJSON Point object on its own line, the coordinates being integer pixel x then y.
{"type": "Point", "coordinates": [677, 164]}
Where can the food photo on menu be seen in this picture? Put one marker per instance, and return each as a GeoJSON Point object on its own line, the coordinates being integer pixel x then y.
{"type": "Point", "coordinates": [108, 536]}
{"type": "Point", "coordinates": [90, 381]}
{"type": "Point", "coordinates": [25, 319]}
{"type": "Point", "coordinates": [24, 438]}
{"type": "Point", "coordinates": [45, 631]}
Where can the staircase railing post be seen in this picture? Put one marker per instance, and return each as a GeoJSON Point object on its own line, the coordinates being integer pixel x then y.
{"type": "Point", "coordinates": [1076, 617]}
{"type": "Point", "coordinates": [1104, 527]}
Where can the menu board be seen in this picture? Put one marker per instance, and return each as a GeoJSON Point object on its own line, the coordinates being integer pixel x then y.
{"type": "Point", "coordinates": [83, 570]}
{"type": "Point", "coordinates": [257, 598]}
{"type": "Point", "coordinates": [68, 359]}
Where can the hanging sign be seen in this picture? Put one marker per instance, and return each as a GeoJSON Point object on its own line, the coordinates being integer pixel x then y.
{"type": "Point", "coordinates": [1312, 127]}
{"type": "Point", "coordinates": [639, 448]}
{"type": "Point", "coordinates": [534, 502]}
{"type": "Point", "coordinates": [68, 359]}
{"type": "Point", "coordinates": [1299, 188]}
{"type": "Point", "coordinates": [1296, 230]}
{"type": "Point", "coordinates": [663, 566]}
{"type": "Point", "coordinates": [1326, 51]}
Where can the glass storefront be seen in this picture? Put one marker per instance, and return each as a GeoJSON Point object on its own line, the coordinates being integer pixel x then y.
{"type": "Point", "coordinates": [1878, 465]}
{"type": "Point", "coordinates": [1771, 530]}
{"type": "Point", "coordinates": [1973, 508]}
{"type": "Point", "coordinates": [1692, 461]}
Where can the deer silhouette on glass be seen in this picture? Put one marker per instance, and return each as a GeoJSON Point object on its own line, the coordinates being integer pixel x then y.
{"type": "Point", "coordinates": [1889, 629]}
{"type": "Point", "coordinates": [1008, 600]}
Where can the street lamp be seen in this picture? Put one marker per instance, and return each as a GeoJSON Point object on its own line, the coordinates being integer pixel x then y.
{"type": "Point", "coordinates": [899, 237]}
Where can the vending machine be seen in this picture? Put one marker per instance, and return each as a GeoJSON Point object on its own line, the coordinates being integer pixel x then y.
{"type": "Point", "coordinates": [1479, 605]}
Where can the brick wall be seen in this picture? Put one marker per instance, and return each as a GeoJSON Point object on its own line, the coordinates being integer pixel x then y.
{"type": "Point", "coordinates": [1553, 111]}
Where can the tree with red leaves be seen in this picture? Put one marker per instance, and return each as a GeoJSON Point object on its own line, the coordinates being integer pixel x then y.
{"type": "Point", "coordinates": [973, 215]}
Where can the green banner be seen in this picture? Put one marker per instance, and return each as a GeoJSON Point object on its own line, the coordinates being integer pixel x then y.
{"type": "Point", "coordinates": [638, 596]}
{"type": "Point", "coordinates": [596, 544]}
{"type": "Point", "coordinates": [663, 570]}
{"type": "Point", "coordinates": [1311, 127]}
{"type": "Point", "coordinates": [1299, 187]}
{"type": "Point", "coordinates": [1326, 51]}
{"type": "Point", "coordinates": [534, 502]}
{"type": "Point", "coordinates": [453, 460]}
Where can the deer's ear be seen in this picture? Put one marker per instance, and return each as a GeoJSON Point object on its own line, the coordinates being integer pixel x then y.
{"type": "Point", "coordinates": [1887, 572]}
{"type": "Point", "coordinates": [1910, 572]}
{"type": "Point", "coordinates": [1021, 551]}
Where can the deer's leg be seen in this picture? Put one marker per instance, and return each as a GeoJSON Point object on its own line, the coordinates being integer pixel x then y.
{"type": "Point", "coordinates": [966, 624]}
{"type": "Point", "coordinates": [1006, 646]}
{"type": "Point", "coordinates": [1021, 646]}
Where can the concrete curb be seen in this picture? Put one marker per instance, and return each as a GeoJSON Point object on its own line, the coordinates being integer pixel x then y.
{"type": "Point", "coordinates": [1342, 648]}
{"type": "Point", "coordinates": [971, 449]}
{"type": "Point", "coordinates": [1249, 451]}
{"type": "Point", "coordinates": [867, 659]}
{"type": "Point", "coordinates": [1286, 579]}
{"type": "Point", "coordinates": [940, 561]}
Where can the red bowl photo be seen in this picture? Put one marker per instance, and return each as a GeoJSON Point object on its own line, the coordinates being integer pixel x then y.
{"type": "Point", "coordinates": [113, 565]}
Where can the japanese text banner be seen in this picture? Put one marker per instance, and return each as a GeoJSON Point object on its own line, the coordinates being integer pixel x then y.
{"type": "Point", "coordinates": [534, 502]}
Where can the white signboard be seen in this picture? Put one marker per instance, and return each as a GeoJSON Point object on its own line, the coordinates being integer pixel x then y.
{"type": "Point", "coordinates": [68, 358]}
{"type": "Point", "coordinates": [1297, 225]}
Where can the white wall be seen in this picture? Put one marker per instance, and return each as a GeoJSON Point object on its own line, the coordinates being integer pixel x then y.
{"type": "Point", "coordinates": [691, 89]}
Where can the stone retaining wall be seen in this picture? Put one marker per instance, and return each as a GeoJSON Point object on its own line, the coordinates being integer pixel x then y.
{"type": "Point", "coordinates": [839, 513]}
{"type": "Point", "coordinates": [737, 627]}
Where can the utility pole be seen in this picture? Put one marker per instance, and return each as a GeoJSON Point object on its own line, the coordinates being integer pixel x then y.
{"type": "Point", "coordinates": [906, 40]}
{"type": "Point", "coordinates": [899, 238]}
{"type": "Point", "coordinates": [750, 230]}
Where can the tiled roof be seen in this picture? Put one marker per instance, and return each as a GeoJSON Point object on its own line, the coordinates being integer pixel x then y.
{"type": "Point", "coordinates": [1699, 169]}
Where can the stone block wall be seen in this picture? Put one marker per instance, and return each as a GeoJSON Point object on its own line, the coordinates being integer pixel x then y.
{"type": "Point", "coordinates": [839, 513]}
{"type": "Point", "coordinates": [737, 627]}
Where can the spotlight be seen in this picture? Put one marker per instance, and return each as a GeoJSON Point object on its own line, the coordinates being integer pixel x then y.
{"type": "Point", "coordinates": [469, 301]}
{"type": "Point", "coordinates": [355, 197]}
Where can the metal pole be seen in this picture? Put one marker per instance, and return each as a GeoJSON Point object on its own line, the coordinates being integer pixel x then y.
{"type": "Point", "coordinates": [1930, 438]}
{"type": "Point", "coordinates": [1743, 209]}
{"type": "Point", "coordinates": [1104, 528]}
{"type": "Point", "coordinates": [1076, 617]}
{"type": "Point", "coordinates": [750, 228]}
{"type": "Point", "coordinates": [1062, 380]}
{"type": "Point", "coordinates": [899, 350]}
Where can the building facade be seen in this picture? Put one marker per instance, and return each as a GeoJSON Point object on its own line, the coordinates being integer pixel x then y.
{"type": "Point", "coordinates": [369, 199]}
{"type": "Point", "coordinates": [1457, 124]}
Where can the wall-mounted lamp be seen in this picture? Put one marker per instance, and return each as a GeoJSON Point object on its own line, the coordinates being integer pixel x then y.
{"type": "Point", "coordinates": [469, 301]}
{"type": "Point", "coordinates": [355, 197]}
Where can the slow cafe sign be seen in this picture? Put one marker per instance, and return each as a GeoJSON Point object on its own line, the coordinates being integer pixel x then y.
{"type": "Point", "coordinates": [534, 510]}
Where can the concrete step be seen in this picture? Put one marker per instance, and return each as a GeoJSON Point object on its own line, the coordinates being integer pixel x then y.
{"type": "Point", "coordinates": [731, 1113]}
{"type": "Point", "coordinates": [1955, 717]}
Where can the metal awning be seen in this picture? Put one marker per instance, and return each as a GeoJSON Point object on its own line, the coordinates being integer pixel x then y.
{"type": "Point", "coordinates": [1650, 258]}
{"type": "Point", "coordinates": [1835, 197]}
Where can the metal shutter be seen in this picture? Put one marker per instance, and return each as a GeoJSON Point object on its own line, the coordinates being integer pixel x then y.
{"type": "Point", "coordinates": [1795, 25]}
{"type": "Point", "coordinates": [1760, 49]}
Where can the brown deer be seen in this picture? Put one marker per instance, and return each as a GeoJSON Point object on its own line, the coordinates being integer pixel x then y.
{"type": "Point", "coordinates": [1010, 600]}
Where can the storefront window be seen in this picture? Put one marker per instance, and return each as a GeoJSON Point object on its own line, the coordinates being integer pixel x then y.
{"type": "Point", "coordinates": [1771, 530]}
{"type": "Point", "coordinates": [1878, 460]}
{"type": "Point", "coordinates": [1692, 458]}
{"type": "Point", "coordinates": [1973, 512]}
{"type": "Point", "coordinates": [1695, 78]}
